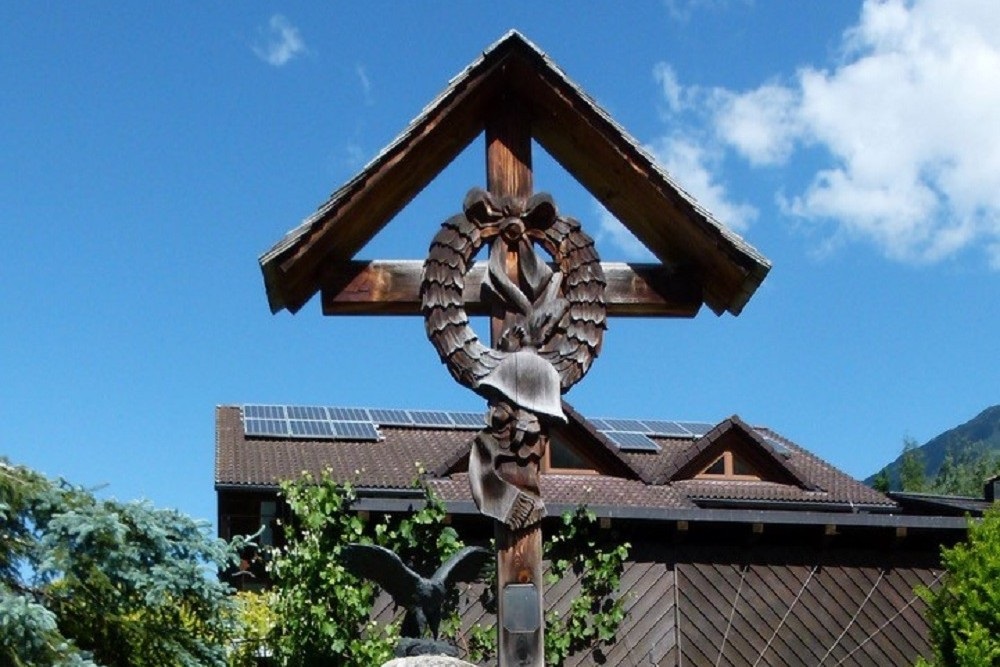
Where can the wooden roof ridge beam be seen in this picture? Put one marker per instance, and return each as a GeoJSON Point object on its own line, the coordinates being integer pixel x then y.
{"type": "Point", "coordinates": [392, 287]}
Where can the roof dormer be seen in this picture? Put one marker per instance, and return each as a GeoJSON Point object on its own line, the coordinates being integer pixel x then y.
{"type": "Point", "coordinates": [734, 451]}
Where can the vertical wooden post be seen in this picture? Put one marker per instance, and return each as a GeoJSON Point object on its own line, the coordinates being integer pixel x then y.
{"type": "Point", "coordinates": [519, 553]}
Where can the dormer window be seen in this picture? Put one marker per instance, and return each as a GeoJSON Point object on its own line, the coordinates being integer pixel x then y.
{"type": "Point", "coordinates": [729, 465]}
{"type": "Point", "coordinates": [563, 459]}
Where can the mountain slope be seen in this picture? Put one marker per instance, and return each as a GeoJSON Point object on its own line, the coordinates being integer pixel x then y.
{"type": "Point", "coordinates": [981, 433]}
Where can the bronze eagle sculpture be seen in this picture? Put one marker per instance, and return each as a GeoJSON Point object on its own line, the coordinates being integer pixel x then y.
{"type": "Point", "coordinates": [421, 597]}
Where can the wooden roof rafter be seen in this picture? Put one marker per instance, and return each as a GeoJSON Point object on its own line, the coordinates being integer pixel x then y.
{"type": "Point", "coordinates": [702, 259]}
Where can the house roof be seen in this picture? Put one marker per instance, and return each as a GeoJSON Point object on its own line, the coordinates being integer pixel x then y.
{"type": "Point", "coordinates": [651, 480]}
{"type": "Point", "coordinates": [565, 121]}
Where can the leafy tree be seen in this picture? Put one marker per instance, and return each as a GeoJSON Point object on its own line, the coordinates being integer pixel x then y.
{"type": "Point", "coordinates": [256, 620]}
{"type": "Point", "coordinates": [912, 475]}
{"type": "Point", "coordinates": [964, 612]}
{"type": "Point", "coordinates": [881, 481]}
{"type": "Point", "coordinates": [86, 581]}
{"type": "Point", "coordinates": [964, 470]}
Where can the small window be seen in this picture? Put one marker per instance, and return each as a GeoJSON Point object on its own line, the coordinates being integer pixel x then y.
{"type": "Point", "coordinates": [717, 468]}
{"type": "Point", "coordinates": [741, 468]}
{"type": "Point", "coordinates": [729, 466]}
{"type": "Point", "coordinates": [560, 457]}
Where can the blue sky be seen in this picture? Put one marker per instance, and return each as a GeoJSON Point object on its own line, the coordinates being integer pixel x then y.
{"type": "Point", "coordinates": [151, 153]}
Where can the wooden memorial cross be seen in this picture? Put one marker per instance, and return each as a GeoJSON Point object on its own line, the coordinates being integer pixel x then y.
{"type": "Point", "coordinates": [519, 552]}
{"type": "Point", "coordinates": [546, 321]}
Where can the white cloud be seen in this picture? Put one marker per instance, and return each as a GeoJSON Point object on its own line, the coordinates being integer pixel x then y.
{"type": "Point", "coordinates": [282, 42]}
{"type": "Point", "coordinates": [689, 164]}
{"type": "Point", "coordinates": [761, 123]}
{"type": "Point", "coordinates": [692, 158]}
{"type": "Point", "coordinates": [682, 10]}
{"type": "Point", "coordinates": [354, 156]}
{"type": "Point", "coordinates": [907, 120]}
{"type": "Point", "coordinates": [366, 83]}
{"type": "Point", "coordinates": [672, 90]}
{"type": "Point", "coordinates": [612, 231]}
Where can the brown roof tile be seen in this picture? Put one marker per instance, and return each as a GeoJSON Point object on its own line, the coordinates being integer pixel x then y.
{"type": "Point", "coordinates": [396, 461]}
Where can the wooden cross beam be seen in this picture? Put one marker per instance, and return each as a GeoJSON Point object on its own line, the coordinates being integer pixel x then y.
{"type": "Point", "coordinates": [392, 287]}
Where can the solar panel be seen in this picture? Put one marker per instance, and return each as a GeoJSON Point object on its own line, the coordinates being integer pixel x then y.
{"type": "Point", "coordinates": [305, 412]}
{"type": "Point", "coordinates": [277, 427]}
{"type": "Point", "coordinates": [430, 418]}
{"type": "Point", "coordinates": [778, 447]}
{"type": "Point", "coordinates": [348, 414]}
{"type": "Point", "coordinates": [697, 428]}
{"type": "Point", "coordinates": [468, 419]}
{"type": "Point", "coordinates": [629, 425]}
{"type": "Point", "coordinates": [310, 428]}
{"type": "Point", "coordinates": [666, 428]}
{"type": "Point", "coordinates": [264, 411]}
{"type": "Point", "coordinates": [632, 442]}
{"type": "Point", "coordinates": [355, 430]}
{"type": "Point", "coordinates": [600, 424]}
{"type": "Point", "coordinates": [386, 417]}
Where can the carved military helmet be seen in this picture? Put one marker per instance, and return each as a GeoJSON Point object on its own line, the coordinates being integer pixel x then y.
{"type": "Point", "coordinates": [529, 382]}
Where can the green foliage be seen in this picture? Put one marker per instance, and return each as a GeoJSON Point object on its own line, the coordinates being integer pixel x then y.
{"type": "Point", "coordinates": [85, 581]}
{"type": "Point", "coordinates": [912, 476]}
{"type": "Point", "coordinates": [255, 621]}
{"type": "Point", "coordinates": [596, 612]}
{"type": "Point", "coordinates": [964, 470]}
{"type": "Point", "coordinates": [982, 433]}
{"type": "Point", "coordinates": [881, 481]}
{"type": "Point", "coordinates": [321, 611]}
{"type": "Point", "coordinates": [964, 612]}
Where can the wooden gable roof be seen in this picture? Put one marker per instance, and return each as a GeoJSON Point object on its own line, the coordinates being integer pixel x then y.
{"type": "Point", "coordinates": [735, 435]}
{"type": "Point", "coordinates": [578, 134]}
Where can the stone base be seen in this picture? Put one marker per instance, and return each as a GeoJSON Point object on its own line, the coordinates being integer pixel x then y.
{"type": "Point", "coordinates": [408, 646]}
{"type": "Point", "coordinates": [428, 661]}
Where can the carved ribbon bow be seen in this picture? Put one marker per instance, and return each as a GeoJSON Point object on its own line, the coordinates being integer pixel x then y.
{"type": "Point", "coordinates": [514, 224]}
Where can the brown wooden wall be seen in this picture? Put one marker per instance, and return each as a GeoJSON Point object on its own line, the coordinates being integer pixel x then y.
{"type": "Point", "coordinates": [692, 605]}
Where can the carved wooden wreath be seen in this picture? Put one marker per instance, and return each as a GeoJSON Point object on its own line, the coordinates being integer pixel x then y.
{"type": "Point", "coordinates": [560, 316]}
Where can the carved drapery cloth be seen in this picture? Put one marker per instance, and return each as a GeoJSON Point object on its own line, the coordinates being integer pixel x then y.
{"type": "Point", "coordinates": [553, 330]}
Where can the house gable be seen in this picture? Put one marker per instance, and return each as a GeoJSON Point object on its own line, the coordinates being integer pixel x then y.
{"type": "Point", "coordinates": [735, 451]}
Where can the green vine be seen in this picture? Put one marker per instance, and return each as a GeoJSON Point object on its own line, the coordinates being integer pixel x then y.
{"type": "Point", "coordinates": [596, 613]}
{"type": "Point", "coordinates": [579, 547]}
{"type": "Point", "coordinates": [322, 612]}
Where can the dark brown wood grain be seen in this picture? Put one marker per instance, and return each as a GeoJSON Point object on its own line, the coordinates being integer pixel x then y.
{"type": "Point", "coordinates": [392, 287]}
{"type": "Point", "coordinates": [519, 553]}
